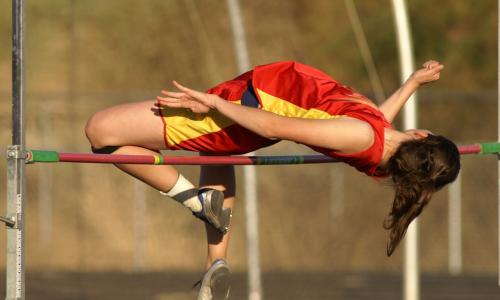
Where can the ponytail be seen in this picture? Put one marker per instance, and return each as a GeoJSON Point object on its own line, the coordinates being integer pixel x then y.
{"type": "Point", "coordinates": [418, 169]}
{"type": "Point", "coordinates": [409, 201]}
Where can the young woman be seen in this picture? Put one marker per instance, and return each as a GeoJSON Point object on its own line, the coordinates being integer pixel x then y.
{"type": "Point", "coordinates": [279, 101]}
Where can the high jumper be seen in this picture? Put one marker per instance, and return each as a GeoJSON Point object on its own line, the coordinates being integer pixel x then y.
{"type": "Point", "coordinates": [279, 101]}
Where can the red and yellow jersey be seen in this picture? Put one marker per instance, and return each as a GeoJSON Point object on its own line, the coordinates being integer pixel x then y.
{"type": "Point", "coordinates": [212, 132]}
{"type": "Point", "coordinates": [285, 88]}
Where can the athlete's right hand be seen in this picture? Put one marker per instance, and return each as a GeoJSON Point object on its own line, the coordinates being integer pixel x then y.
{"type": "Point", "coordinates": [197, 102]}
{"type": "Point", "coordinates": [430, 71]}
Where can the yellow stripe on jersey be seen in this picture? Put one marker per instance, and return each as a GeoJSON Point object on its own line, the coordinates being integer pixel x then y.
{"type": "Point", "coordinates": [182, 124]}
{"type": "Point", "coordinates": [287, 109]}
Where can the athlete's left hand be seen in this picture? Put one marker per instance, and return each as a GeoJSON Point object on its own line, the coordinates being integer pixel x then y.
{"type": "Point", "coordinates": [197, 102]}
{"type": "Point", "coordinates": [430, 71]}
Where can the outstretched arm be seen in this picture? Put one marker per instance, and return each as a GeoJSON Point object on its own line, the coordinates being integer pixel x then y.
{"type": "Point", "coordinates": [429, 72]}
{"type": "Point", "coordinates": [341, 134]}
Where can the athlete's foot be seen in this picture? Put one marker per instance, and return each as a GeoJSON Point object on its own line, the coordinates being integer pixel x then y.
{"type": "Point", "coordinates": [215, 284]}
{"type": "Point", "coordinates": [212, 211]}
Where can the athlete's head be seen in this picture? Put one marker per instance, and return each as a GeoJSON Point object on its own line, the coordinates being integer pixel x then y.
{"type": "Point", "coordinates": [418, 168]}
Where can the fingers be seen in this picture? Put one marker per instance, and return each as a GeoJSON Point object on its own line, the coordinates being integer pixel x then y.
{"type": "Point", "coordinates": [186, 98]}
{"type": "Point", "coordinates": [168, 99]}
{"type": "Point", "coordinates": [172, 94]}
{"type": "Point", "coordinates": [172, 97]}
{"type": "Point", "coordinates": [432, 69]}
{"type": "Point", "coordinates": [428, 63]}
{"type": "Point", "coordinates": [170, 104]}
{"type": "Point", "coordinates": [433, 64]}
{"type": "Point", "coordinates": [177, 99]}
{"type": "Point", "coordinates": [184, 91]}
{"type": "Point", "coordinates": [436, 70]}
{"type": "Point", "coordinates": [188, 91]}
{"type": "Point", "coordinates": [179, 86]}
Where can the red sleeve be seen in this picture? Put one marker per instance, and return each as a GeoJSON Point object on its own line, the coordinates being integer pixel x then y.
{"type": "Point", "coordinates": [365, 161]}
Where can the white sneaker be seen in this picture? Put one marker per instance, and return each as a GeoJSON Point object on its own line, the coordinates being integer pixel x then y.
{"type": "Point", "coordinates": [215, 284]}
{"type": "Point", "coordinates": [212, 211]}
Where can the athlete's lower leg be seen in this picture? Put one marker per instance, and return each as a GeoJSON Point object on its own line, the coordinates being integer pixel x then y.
{"type": "Point", "coordinates": [162, 178]}
{"type": "Point", "coordinates": [223, 179]}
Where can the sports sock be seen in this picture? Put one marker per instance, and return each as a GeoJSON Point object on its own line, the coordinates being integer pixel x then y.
{"type": "Point", "coordinates": [186, 193]}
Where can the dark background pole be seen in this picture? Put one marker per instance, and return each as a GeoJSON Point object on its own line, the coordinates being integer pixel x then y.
{"type": "Point", "coordinates": [17, 73]}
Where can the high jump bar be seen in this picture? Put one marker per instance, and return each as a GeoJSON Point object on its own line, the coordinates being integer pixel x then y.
{"type": "Point", "coordinates": [49, 156]}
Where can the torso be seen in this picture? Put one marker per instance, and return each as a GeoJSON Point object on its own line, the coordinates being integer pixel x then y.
{"type": "Point", "coordinates": [285, 88]}
{"type": "Point", "coordinates": [296, 90]}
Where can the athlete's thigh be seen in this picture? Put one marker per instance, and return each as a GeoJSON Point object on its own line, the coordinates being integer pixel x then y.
{"type": "Point", "coordinates": [137, 124]}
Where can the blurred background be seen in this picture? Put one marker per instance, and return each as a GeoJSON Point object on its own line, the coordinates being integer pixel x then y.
{"type": "Point", "coordinates": [92, 229]}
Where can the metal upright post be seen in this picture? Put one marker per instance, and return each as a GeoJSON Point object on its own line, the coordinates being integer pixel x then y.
{"type": "Point", "coordinates": [15, 164]}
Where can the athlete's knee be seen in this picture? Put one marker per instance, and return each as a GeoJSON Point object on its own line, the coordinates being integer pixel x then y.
{"type": "Point", "coordinates": [219, 177]}
{"type": "Point", "coordinates": [97, 131]}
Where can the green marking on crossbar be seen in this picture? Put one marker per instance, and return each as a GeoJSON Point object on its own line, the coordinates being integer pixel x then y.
{"type": "Point", "coordinates": [44, 156]}
{"type": "Point", "coordinates": [490, 148]}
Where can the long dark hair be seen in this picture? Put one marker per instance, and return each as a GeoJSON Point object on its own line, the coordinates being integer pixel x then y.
{"type": "Point", "coordinates": [418, 168]}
